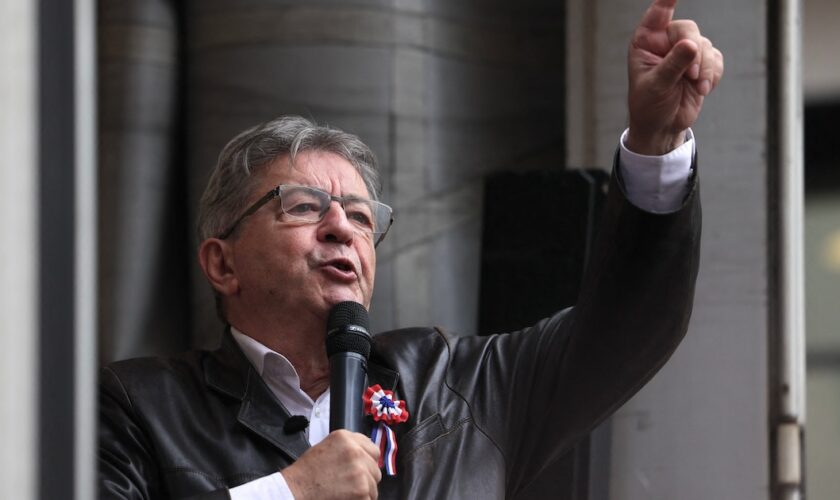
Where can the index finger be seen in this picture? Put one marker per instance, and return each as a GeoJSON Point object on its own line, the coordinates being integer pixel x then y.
{"type": "Point", "coordinates": [659, 14]}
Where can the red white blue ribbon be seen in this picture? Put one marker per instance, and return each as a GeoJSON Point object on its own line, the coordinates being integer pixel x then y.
{"type": "Point", "coordinates": [384, 437]}
{"type": "Point", "coordinates": [385, 409]}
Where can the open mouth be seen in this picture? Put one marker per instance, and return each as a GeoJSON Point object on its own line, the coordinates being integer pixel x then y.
{"type": "Point", "coordinates": [342, 265]}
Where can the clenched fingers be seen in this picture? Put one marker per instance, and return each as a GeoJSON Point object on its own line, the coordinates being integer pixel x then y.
{"type": "Point", "coordinates": [706, 69]}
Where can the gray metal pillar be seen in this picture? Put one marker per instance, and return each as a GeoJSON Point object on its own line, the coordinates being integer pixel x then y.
{"type": "Point", "coordinates": [86, 252]}
{"type": "Point", "coordinates": [66, 248]}
{"type": "Point", "coordinates": [787, 315]}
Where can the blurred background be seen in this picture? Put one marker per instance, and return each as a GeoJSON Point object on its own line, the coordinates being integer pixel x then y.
{"type": "Point", "coordinates": [822, 246]}
{"type": "Point", "coordinates": [114, 112]}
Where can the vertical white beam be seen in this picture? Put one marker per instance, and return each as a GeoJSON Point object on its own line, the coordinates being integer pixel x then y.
{"type": "Point", "coordinates": [18, 249]}
{"type": "Point", "coordinates": [789, 154]}
{"type": "Point", "coordinates": [86, 238]}
{"type": "Point", "coordinates": [791, 192]}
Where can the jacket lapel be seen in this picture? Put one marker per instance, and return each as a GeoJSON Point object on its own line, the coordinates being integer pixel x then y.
{"type": "Point", "coordinates": [228, 371]}
{"type": "Point", "coordinates": [262, 413]}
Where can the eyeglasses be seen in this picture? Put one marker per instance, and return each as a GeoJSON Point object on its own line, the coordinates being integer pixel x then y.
{"type": "Point", "coordinates": [310, 204]}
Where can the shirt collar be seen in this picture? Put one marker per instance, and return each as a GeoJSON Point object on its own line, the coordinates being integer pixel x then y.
{"type": "Point", "coordinates": [269, 364]}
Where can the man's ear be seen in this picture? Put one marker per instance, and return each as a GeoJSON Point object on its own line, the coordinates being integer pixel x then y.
{"type": "Point", "coordinates": [216, 259]}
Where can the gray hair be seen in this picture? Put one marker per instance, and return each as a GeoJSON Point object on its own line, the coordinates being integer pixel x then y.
{"type": "Point", "coordinates": [242, 160]}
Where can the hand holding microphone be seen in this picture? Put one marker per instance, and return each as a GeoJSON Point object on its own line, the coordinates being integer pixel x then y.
{"type": "Point", "coordinates": [345, 465]}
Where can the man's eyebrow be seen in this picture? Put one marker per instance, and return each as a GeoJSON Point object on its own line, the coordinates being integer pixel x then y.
{"type": "Point", "coordinates": [349, 197]}
{"type": "Point", "coordinates": [354, 197]}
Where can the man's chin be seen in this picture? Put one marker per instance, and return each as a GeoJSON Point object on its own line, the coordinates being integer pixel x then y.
{"type": "Point", "coordinates": [334, 298]}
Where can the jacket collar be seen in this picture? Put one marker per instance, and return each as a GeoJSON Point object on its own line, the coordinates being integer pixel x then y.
{"type": "Point", "coordinates": [229, 372]}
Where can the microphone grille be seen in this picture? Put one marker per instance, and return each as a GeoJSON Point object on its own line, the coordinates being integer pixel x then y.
{"type": "Point", "coordinates": [347, 313]}
{"type": "Point", "coordinates": [347, 329]}
{"type": "Point", "coordinates": [343, 341]}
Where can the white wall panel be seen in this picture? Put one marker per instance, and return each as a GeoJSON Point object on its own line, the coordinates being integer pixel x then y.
{"type": "Point", "coordinates": [699, 429]}
{"type": "Point", "coordinates": [18, 249]}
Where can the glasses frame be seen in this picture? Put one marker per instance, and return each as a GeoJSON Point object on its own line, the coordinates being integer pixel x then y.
{"type": "Point", "coordinates": [276, 192]}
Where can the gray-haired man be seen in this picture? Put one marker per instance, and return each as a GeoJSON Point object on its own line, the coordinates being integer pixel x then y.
{"type": "Point", "coordinates": [289, 225]}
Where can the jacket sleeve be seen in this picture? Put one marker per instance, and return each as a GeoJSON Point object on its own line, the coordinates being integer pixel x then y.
{"type": "Point", "coordinates": [539, 390]}
{"type": "Point", "coordinates": [126, 462]}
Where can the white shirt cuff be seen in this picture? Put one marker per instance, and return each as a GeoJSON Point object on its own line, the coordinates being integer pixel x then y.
{"type": "Point", "coordinates": [271, 487]}
{"type": "Point", "coordinates": [657, 184]}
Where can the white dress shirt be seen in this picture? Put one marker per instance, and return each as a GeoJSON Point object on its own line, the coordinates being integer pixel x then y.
{"type": "Point", "coordinates": [656, 184]}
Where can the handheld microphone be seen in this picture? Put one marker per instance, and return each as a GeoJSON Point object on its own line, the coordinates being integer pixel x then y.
{"type": "Point", "coordinates": [348, 348]}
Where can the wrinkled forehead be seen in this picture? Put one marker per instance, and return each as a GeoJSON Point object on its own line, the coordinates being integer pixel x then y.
{"type": "Point", "coordinates": [324, 170]}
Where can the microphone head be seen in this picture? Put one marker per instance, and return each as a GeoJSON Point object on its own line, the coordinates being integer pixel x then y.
{"type": "Point", "coordinates": [347, 329]}
{"type": "Point", "coordinates": [347, 313]}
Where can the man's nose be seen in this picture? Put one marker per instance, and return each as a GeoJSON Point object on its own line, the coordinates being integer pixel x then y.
{"type": "Point", "coordinates": [335, 226]}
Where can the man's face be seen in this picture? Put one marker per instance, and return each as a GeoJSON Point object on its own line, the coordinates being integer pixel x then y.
{"type": "Point", "coordinates": [297, 268]}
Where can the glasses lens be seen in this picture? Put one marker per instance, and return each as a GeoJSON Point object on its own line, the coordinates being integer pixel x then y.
{"type": "Point", "coordinates": [362, 214]}
{"type": "Point", "coordinates": [311, 204]}
{"type": "Point", "coordinates": [304, 203]}
{"type": "Point", "coordinates": [368, 215]}
{"type": "Point", "coordinates": [382, 216]}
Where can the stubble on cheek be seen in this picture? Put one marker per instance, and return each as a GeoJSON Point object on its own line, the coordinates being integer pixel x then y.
{"type": "Point", "coordinates": [367, 285]}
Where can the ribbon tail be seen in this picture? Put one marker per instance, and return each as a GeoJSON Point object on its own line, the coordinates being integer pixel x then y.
{"type": "Point", "coordinates": [379, 437]}
{"type": "Point", "coordinates": [390, 454]}
{"type": "Point", "coordinates": [385, 438]}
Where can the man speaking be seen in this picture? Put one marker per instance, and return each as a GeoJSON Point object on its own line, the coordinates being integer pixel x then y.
{"type": "Point", "coordinates": [289, 225]}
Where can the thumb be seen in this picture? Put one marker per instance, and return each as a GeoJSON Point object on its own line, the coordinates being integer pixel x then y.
{"type": "Point", "coordinates": [681, 56]}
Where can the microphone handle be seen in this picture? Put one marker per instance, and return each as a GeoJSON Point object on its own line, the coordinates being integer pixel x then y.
{"type": "Point", "coordinates": [348, 375]}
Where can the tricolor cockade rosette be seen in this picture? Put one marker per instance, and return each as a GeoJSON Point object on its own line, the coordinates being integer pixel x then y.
{"type": "Point", "coordinates": [383, 407]}
{"type": "Point", "coordinates": [385, 410]}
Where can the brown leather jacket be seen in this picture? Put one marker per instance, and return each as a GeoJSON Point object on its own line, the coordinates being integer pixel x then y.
{"type": "Point", "coordinates": [487, 413]}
